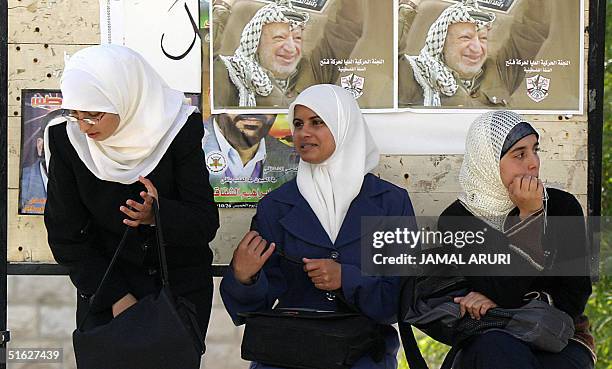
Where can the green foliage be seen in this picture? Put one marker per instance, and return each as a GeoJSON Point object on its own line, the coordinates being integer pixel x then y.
{"type": "Point", "coordinates": [607, 130]}
{"type": "Point", "coordinates": [599, 308]}
{"type": "Point", "coordinates": [432, 350]}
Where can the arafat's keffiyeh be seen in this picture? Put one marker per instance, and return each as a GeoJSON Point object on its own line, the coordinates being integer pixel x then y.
{"type": "Point", "coordinates": [429, 68]}
{"type": "Point", "coordinates": [243, 68]}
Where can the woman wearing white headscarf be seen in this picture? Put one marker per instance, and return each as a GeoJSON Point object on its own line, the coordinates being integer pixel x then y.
{"type": "Point", "coordinates": [126, 138]}
{"type": "Point", "coordinates": [315, 219]}
{"type": "Point", "coordinates": [501, 187]}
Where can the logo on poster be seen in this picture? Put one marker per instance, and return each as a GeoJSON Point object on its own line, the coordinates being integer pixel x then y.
{"type": "Point", "coordinates": [353, 84]}
{"type": "Point", "coordinates": [537, 87]}
{"type": "Point", "coordinates": [312, 5]}
{"type": "Point", "coordinates": [498, 5]}
{"type": "Point", "coordinates": [216, 162]}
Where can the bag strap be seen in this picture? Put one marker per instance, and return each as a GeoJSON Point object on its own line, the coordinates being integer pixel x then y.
{"type": "Point", "coordinates": [411, 347]}
{"type": "Point", "coordinates": [94, 298]}
{"type": "Point", "coordinates": [449, 359]}
{"type": "Point", "coordinates": [161, 245]}
{"type": "Point", "coordinates": [409, 343]}
{"type": "Point", "coordinates": [161, 252]}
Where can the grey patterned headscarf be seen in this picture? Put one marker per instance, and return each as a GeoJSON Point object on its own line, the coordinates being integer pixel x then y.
{"type": "Point", "coordinates": [482, 190]}
{"type": "Point", "coordinates": [429, 68]}
{"type": "Point", "coordinates": [243, 68]}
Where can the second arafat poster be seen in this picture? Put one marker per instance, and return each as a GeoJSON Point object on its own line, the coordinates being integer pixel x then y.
{"type": "Point", "coordinates": [524, 55]}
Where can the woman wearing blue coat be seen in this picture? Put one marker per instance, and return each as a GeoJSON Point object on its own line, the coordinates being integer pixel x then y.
{"type": "Point", "coordinates": [316, 219]}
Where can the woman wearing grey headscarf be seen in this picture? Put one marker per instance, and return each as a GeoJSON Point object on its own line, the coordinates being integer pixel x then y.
{"type": "Point", "coordinates": [501, 186]}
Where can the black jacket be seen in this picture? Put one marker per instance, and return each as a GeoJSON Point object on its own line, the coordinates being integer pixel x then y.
{"type": "Point", "coordinates": [569, 293]}
{"type": "Point", "coordinates": [84, 223]}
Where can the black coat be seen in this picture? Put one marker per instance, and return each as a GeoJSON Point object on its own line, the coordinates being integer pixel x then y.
{"type": "Point", "coordinates": [84, 224]}
{"type": "Point", "coordinates": [569, 293]}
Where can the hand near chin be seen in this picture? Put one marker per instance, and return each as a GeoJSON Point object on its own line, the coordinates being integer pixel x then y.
{"type": "Point", "coordinates": [526, 192]}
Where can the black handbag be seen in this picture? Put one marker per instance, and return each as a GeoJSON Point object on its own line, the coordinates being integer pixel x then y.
{"type": "Point", "coordinates": [310, 339]}
{"type": "Point", "coordinates": [427, 304]}
{"type": "Point", "coordinates": [158, 332]}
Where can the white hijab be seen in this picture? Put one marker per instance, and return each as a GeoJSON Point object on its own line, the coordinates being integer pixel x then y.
{"type": "Point", "coordinates": [483, 192]}
{"type": "Point", "coordinates": [116, 79]}
{"type": "Point", "coordinates": [330, 187]}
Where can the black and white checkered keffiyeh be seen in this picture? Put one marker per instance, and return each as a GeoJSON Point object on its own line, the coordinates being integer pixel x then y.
{"type": "Point", "coordinates": [243, 68]}
{"type": "Point", "coordinates": [429, 68]}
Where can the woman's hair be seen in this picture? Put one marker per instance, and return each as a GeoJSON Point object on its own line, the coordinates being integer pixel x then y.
{"type": "Point", "coordinates": [517, 133]}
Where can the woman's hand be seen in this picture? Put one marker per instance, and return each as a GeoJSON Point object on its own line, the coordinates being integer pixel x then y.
{"type": "Point", "coordinates": [526, 192]}
{"type": "Point", "coordinates": [249, 256]}
{"type": "Point", "coordinates": [123, 304]}
{"type": "Point", "coordinates": [475, 304]}
{"type": "Point", "coordinates": [141, 213]}
{"type": "Point", "coordinates": [326, 274]}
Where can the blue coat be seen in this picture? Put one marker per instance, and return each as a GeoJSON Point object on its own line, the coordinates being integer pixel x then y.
{"type": "Point", "coordinates": [284, 217]}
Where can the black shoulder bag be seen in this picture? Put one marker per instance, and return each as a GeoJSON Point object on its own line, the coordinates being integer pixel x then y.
{"type": "Point", "coordinates": [311, 339]}
{"type": "Point", "coordinates": [158, 332]}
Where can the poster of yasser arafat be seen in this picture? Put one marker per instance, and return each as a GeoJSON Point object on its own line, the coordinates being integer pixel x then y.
{"type": "Point", "coordinates": [524, 55]}
{"type": "Point", "coordinates": [266, 52]}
